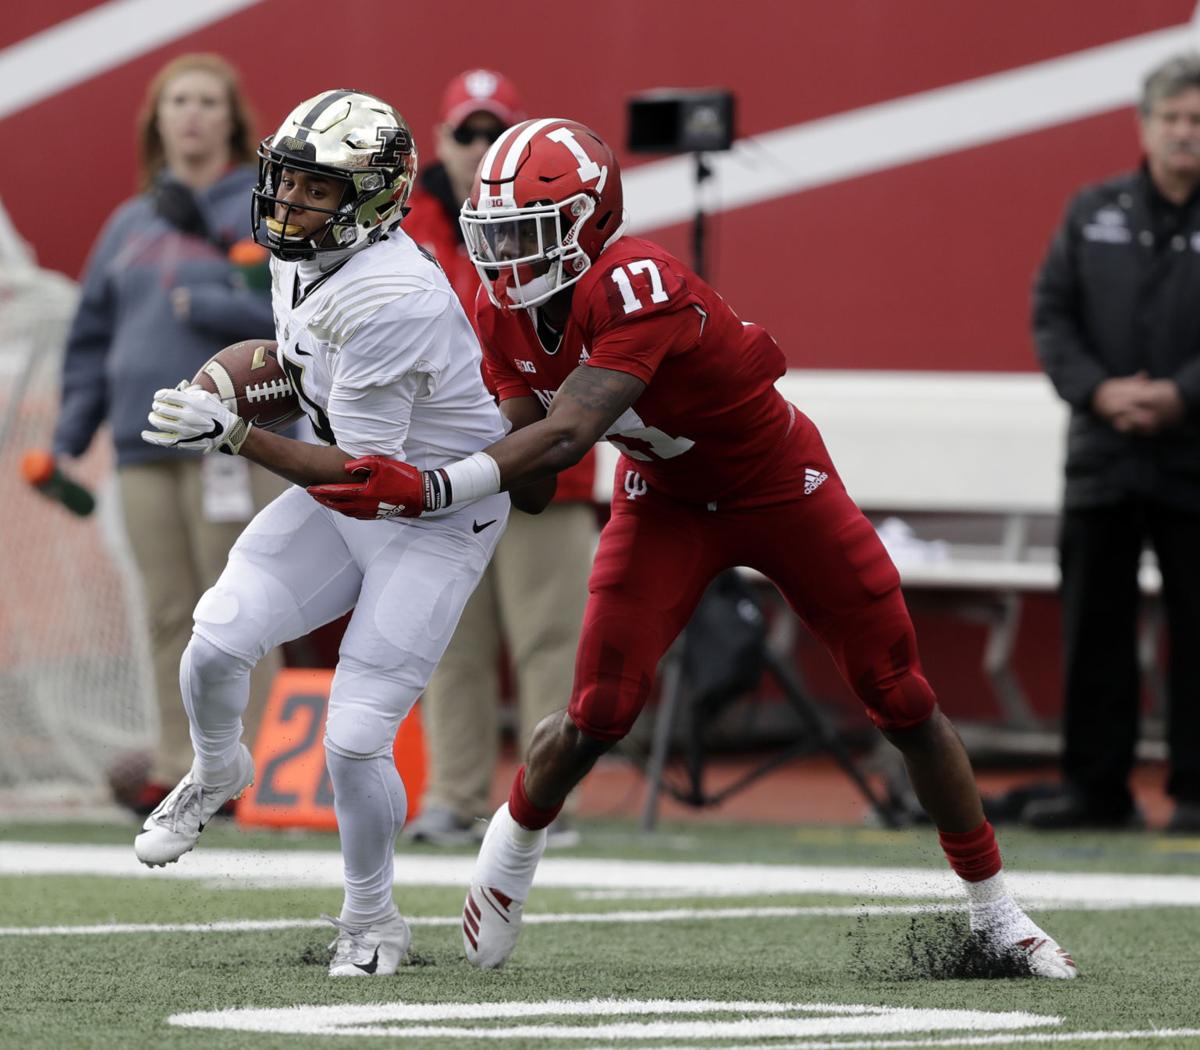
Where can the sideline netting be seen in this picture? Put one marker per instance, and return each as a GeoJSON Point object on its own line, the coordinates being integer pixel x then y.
{"type": "Point", "coordinates": [74, 667]}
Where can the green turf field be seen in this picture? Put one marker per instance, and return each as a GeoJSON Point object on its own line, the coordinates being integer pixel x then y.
{"type": "Point", "coordinates": [695, 937]}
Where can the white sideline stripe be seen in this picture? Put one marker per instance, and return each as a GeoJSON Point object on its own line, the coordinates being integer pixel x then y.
{"type": "Point", "coordinates": [241, 868]}
{"type": "Point", "coordinates": [904, 130]}
{"type": "Point", "coordinates": [966, 1040]}
{"type": "Point", "coordinates": [664, 915]}
{"type": "Point", "coordinates": [100, 39]}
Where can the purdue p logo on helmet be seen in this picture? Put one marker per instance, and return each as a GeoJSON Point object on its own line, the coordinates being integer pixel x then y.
{"type": "Point", "coordinates": [358, 142]}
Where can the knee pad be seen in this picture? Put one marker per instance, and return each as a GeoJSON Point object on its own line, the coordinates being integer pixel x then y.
{"type": "Point", "coordinates": [891, 685]}
{"type": "Point", "coordinates": [608, 695]}
{"type": "Point", "coordinates": [366, 706]}
{"type": "Point", "coordinates": [207, 664]}
{"type": "Point", "coordinates": [246, 613]}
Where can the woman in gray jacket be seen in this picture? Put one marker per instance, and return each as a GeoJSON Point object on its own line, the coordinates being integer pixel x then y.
{"type": "Point", "coordinates": [160, 296]}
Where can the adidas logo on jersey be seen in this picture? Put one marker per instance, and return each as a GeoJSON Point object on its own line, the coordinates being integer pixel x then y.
{"type": "Point", "coordinates": [813, 480]}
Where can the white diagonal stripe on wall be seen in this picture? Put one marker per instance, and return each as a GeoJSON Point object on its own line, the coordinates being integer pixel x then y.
{"type": "Point", "coordinates": [96, 41]}
{"type": "Point", "coordinates": [904, 130]}
{"type": "Point", "coordinates": [774, 164]}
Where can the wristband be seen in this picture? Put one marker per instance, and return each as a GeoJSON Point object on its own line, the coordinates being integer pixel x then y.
{"type": "Point", "coordinates": [461, 482]}
{"type": "Point", "coordinates": [235, 439]}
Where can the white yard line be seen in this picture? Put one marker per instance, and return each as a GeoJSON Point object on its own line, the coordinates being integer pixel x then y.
{"type": "Point", "coordinates": [549, 919]}
{"type": "Point", "coordinates": [1147, 1035]}
{"type": "Point", "coordinates": [815, 1026]}
{"type": "Point", "coordinates": [239, 869]}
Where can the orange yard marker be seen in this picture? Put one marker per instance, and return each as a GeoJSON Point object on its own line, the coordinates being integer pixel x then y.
{"type": "Point", "coordinates": [291, 786]}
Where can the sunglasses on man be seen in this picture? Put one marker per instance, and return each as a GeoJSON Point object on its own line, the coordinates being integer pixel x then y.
{"type": "Point", "coordinates": [465, 135]}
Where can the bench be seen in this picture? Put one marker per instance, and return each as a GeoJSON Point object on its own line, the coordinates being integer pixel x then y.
{"type": "Point", "coordinates": [986, 446]}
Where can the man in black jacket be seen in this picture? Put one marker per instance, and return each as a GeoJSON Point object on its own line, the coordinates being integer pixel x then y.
{"type": "Point", "coordinates": [1116, 321]}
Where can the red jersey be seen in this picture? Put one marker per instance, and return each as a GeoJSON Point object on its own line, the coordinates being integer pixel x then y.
{"type": "Point", "coordinates": [710, 417]}
{"type": "Point", "coordinates": [431, 225]}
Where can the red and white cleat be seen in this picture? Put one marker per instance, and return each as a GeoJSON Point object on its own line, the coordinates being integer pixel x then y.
{"type": "Point", "coordinates": [500, 886]}
{"type": "Point", "coordinates": [1009, 933]}
{"type": "Point", "coordinates": [1046, 958]}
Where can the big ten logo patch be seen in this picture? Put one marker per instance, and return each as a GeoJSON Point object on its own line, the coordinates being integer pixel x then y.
{"type": "Point", "coordinates": [292, 787]}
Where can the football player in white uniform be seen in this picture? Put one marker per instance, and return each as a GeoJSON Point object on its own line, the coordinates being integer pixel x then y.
{"type": "Point", "coordinates": [385, 362]}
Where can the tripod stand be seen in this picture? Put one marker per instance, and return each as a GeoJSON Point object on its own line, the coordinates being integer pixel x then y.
{"type": "Point", "coordinates": [754, 657]}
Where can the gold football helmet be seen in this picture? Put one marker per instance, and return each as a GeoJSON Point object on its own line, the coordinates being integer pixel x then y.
{"type": "Point", "coordinates": [349, 137]}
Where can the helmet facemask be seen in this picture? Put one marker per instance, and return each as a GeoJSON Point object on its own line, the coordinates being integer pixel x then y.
{"type": "Point", "coordinates": [367, 202]}
{"type": "Point", "coordinates": [527, 254]}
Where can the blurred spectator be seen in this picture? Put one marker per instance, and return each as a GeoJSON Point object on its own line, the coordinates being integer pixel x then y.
{"type": "Point", "coordinates": [1117, 324]}
{"type": "Point", "coordinates": [533, 594]}
{"type": "Point", "coordinates": [159, 297]}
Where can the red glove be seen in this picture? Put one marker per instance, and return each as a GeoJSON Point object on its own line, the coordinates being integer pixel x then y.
{"type": "Point", "coordinates": [392, 489]}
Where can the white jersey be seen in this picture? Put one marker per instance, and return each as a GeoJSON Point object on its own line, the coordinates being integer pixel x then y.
{"type": "Point", "coordinates": [383, 358]}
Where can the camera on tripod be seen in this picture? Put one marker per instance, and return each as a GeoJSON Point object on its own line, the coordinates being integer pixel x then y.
{"type": "Point", "coordinates": [684, 120]}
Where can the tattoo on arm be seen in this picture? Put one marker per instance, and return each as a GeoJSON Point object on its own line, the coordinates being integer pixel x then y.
{"type": "Point", "coordinates": [600, 391]}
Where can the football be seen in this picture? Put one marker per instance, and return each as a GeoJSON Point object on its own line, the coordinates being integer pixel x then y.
{"type": "Point", "coordinates": [250, 381]}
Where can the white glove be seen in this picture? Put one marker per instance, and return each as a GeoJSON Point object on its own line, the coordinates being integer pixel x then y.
{"type": "Point", "coordinates": [192, 418]}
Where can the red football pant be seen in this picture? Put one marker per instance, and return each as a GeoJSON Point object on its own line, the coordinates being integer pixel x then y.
{"type": "Point", "coordinates": [657, 556]}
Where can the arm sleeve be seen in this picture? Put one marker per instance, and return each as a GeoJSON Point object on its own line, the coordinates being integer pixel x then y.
{"type": "Point", "coordinates": [1058, 338]}
{"type": "Point", "coordinates": [84, 386]}
{"type": "Point", "coordinates": [229, 312]}
{"type": "Point", "coordinates": [394, 358]}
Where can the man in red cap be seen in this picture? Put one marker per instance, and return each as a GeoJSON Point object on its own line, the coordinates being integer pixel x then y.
{"type": "Point", "coordinates": [533, 594]}
{"type": "Point", "coordinates": [476, 108]}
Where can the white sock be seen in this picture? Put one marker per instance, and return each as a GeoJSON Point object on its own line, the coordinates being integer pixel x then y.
{"type": "Point", "coordinates": [986, 890]}
{"type": "Point", "coordinates": [370, 803]}
{"type": "Point", "coordinates": [509, 858]}
{"type": "Point", "coordinates": [216, 689]}
{"type": "Point", "coordinates": [994, 912]}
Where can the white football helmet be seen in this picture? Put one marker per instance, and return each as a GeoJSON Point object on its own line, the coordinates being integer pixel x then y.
{"type": "Point", "coordinates": [347, 136]}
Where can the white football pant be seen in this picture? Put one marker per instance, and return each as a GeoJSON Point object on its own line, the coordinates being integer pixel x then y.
{"type": "Point", "coordinates": [298, 566]}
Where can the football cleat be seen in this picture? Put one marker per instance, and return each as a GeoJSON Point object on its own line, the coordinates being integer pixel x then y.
{"type": "Point", "coordinates": [377, 950]}
{"type": "Point", "coordinates": [1007, 932]}
{"type": "Point", "coordinates": [500, 886]}
{"type": "Point", "coordinates": [175, 825]}
{"type": "Point", "coordinates": [1046, 958]}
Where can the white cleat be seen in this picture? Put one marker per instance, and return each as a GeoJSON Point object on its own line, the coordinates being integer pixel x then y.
{"type": "Point", "coordinates": [175, 826]}
{"type": "Point", "coordinates": [1010, 933]}
{"type": "Point", "coordinates": [1046, 958]}
{"type": "Point", "coordinates": [377, 950]}
{"type": "Point", "coordinates": [500, 886]}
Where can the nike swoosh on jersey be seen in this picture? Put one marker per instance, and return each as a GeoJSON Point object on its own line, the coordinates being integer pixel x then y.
{"type": "Point", "coordinates": [476, 527]}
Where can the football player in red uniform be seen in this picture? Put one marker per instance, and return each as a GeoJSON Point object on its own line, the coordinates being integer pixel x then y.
{"type": "Point", "coordinates": [591, 335]}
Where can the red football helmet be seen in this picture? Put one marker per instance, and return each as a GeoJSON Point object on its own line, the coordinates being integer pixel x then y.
{"type": "Point", "coordinates": [546, 202]}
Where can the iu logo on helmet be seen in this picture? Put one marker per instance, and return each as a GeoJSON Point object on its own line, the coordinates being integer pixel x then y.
{"type": "Point", "coordinates": [395, 144]}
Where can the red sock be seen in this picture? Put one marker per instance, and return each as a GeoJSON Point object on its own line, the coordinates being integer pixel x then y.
{"type": "Point", "coordinates": [525, 812]}
{"type": "Point", "coordinates": [973, 855]}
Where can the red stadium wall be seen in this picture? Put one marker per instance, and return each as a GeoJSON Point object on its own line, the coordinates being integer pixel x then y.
{"type": "Point", "coordinates": [925, 265]}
